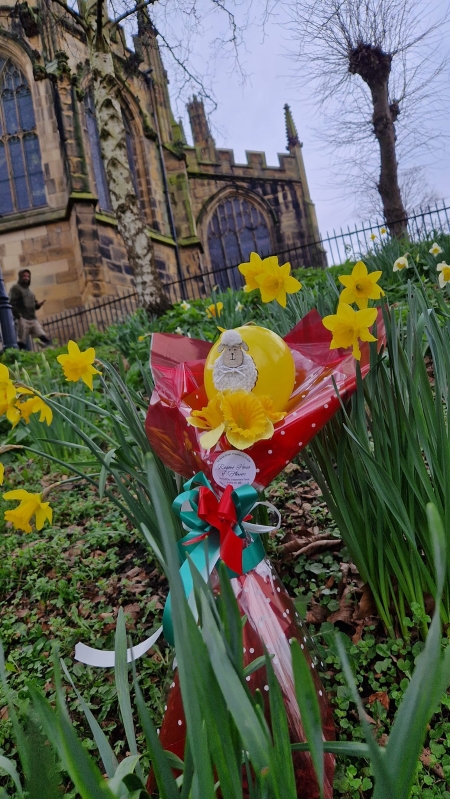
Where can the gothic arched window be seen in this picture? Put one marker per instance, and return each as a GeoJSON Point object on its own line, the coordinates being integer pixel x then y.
{"type": "Point", "coordinates": [236, 228]}
{"type": "Point", "coordinates": [21, 179]}
{"type": "Point", "coordinates": [98, 166]}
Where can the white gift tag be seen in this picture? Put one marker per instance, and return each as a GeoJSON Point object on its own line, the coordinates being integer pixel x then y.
{"type": "Point", "coordinates": [233, 468]}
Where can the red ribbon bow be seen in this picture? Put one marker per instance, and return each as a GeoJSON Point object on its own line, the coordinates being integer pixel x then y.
{"type": "Point", "coordinates": [221, 515]}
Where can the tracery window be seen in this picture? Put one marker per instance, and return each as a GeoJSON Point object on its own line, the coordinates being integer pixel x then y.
{"type": "Point", "coordinates": [101, 183]}
{"type": "Point", "coordinates": [22, 183]}
{"type": "Point", "coordinates": [236, 228]}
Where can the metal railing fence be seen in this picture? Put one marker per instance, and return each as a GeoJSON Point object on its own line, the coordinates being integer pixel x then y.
{"type": "Point", "coordinates": [350, 244]}
{"type": "Point", "coordinates": [75, 322]}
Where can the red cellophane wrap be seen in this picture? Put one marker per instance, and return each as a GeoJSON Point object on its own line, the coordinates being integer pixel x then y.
{"type": "Point", "coordinates": [272, 621]}
{"type": "Point", "coordinates": [178, 363]}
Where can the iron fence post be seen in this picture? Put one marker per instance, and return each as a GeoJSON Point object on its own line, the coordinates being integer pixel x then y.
{"type": "Point", "coordinates": [7, 325]}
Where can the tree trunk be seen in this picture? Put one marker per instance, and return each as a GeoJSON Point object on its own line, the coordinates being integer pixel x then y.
{"type": "Point", "coordinates": [388, 187]}
{"type": "Point", "coordinates": [125, 204]}
{"type": "Point", "coordinates": [374, 67]}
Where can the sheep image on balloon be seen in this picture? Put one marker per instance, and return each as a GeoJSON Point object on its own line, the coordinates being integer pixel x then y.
{"type": "Point", "coordinates": [234, 369]}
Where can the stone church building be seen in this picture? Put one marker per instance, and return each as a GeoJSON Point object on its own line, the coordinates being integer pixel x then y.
{"type": "Point", "coordinates": [204, 211]}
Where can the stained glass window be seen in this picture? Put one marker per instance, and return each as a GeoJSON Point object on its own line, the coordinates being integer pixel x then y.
{"type": "Point", "coordinates": [236, 228]}
{"type": "Point", "coordinates": [98, 166]}
{"type": "Point", "coordinates": [21, 179]}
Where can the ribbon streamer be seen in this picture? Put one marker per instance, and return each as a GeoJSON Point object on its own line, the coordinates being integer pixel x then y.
{"type": "Point", "coordinates": [217, 529]}
{"type": "Point", "coordinates": [105, 658]}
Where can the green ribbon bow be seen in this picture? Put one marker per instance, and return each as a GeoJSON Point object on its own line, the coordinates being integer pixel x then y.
{"type": "Point", "coordinates": [217, 530]}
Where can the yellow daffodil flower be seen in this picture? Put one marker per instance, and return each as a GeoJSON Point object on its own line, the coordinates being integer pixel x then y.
{"type": "Point", "coordinates": [35, 405]}
{"type": "Point", "coordinates": [269, 410]}
{"type": "Point", "coordinates": [185, 305]}
{"type": "Point", "coordinates": [2, 473]}
{"type": "Point", "coordinates": [252, 269]}
{"type": "Point", "coordinates": [8, 390]}
{"type": "Point", "coordinates": [435, 249]}
{"type": "Point", "coordinates": [373, 236]}
{"type": "Point", "coordinates": [245, 419]}
{"type": "Point", "coordinates": [348, 326]}
{"type": "Point", "coordinates": [239, 307]}
{"type": "Point", "coordinates": [77, 365]}
{"type": "Point", "coordinates": [242, 416]}
{"type": "Point", "coordinates": [30, 505]}
{"type": "Point", "coordinates": [214, 310]}
{"type": "Point", "coordinates": [400, 263]}
{"type": "Point", "coordinates": [211, 419]}
{"type": "Point", "coordinates": [383, 231]}
{"type": "Point", "coordinates": [276, 281]}
{"type": "Point", "coordinates": [444, 276]}
{"type": "Point", "coordinates": [360, 286]}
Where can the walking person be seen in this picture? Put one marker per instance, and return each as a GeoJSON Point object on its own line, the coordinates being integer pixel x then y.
{"type": "Point", "coordinates": [24, 306]}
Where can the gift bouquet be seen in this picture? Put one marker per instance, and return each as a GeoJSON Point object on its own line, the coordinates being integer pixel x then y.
{"type": "Point", "coordinates": [229, 417]}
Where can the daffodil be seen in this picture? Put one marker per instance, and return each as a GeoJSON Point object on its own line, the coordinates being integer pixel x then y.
{"type": "Point", "coordinates": [444, 276]}
{"type": "Point", "coordinates": [348, 326]}
{"type": "Point", "coordinates": [185, 305]}
{"type": "Point", "coordinates": [239, 307]}
{"type": "Point", "coordinates": [35, 405]}
{"type": "Point", "coordinates": [383, 231]}
{"type": "Point", "coordinates": [400, 263]}
{"type": "Point", "coordinates": [246, 420]}
{"type": "Point", "coordinates": [269, 410]}
{"type": "Point", "coordinates": [8, 390]}
{"type": "Point", "coordinates": [360, 286]}
{"type": "Point", "coordinates": [29, 505]}
{"type": "Point", "coordinates": [215, 309]}
{"type": "Point", "coordinates": [211, 419]}
{"type": "Point", "coordinates": [276, 281]}
{"type": "Point", "coordinates": [2, 473]}
{"type": "Point", "coordinates": [435, 249]}
{"type": "Point", "coordinates": [373, 236]}
{"type": "Point", "coordinates": [252, 269]}
{"type": "Point", "coordinates": [178, 330]}
{"type": "Point", "coordinates": [77, 365]}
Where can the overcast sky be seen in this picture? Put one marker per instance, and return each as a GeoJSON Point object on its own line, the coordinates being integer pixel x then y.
{"type": "Point", "coordinates": [250, 116]}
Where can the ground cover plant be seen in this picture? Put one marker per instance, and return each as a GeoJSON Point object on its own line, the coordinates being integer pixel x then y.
{"type": "Point", "coordinates": [210, 662]}
{"type": "Point", "coordinates": [331, 592]}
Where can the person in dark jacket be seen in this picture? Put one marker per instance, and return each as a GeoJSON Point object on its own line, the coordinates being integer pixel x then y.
{"type": "Point", "coordinates": [24, 306]}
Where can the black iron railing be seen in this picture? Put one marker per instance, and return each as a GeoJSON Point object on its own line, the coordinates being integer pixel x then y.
{"type": "Point", "coordinates": [74, 323]}
{"type": "Point", "coordinates": [349, 244]}
{"type": "Point", "coordinates": [336, 249]}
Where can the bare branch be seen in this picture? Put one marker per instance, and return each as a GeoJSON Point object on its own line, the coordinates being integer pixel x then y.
{"type": "Point", "coordinates": [189, 74]}
{"type": "Point", "coordinates": [132, 11]}
{"type": "Point", "coordinates": [72, 13]}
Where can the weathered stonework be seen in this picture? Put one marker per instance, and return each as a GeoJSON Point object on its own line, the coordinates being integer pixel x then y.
{"type": "Point", "coordinates": [71, 244]}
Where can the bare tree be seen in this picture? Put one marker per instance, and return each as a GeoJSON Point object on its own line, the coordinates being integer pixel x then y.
{"type": "Point", "coordinates": [377, 59]}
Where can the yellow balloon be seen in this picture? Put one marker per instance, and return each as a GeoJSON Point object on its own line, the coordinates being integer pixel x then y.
{"type": "Point", "coordinates": [275, 369]}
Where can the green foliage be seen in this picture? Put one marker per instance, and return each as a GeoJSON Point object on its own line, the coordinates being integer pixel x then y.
{"type": "Point", "coordinates": [224, 725]}
{"type": "Point", "coordinates": [383, 458]}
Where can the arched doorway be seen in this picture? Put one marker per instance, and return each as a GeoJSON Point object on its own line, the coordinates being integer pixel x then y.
{"type": "Point", "coordinates": [237, 227]}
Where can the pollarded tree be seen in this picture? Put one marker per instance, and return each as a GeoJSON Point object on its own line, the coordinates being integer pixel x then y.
{"type": "Point", "coordinates": [376, 56]}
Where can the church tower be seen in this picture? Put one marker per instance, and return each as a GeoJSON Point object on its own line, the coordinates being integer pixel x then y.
{"type": "Point", "coordinates": [294, 146]}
